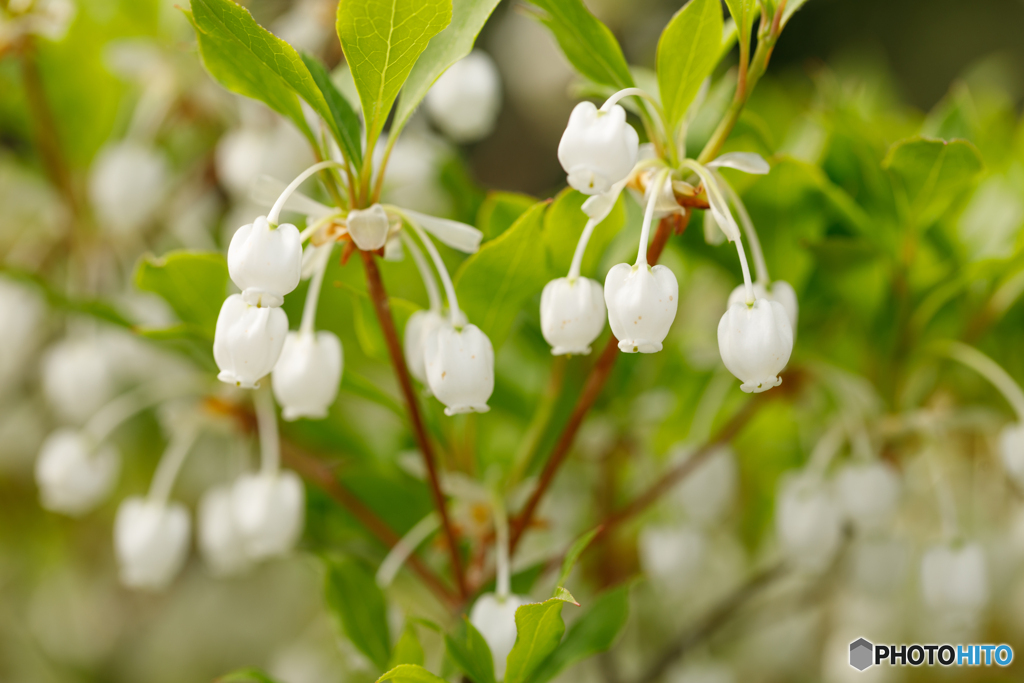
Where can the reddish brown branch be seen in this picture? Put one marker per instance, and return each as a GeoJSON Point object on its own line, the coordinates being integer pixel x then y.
{"type": "Point", "coordinates": [316, 471]}
{"type": "Point", "coordinates": [387, 324]}
{"type": "Point", "coordinates": [591, 390]}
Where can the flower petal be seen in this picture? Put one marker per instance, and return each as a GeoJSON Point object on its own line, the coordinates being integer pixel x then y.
{"type": "Point", "coordinates": [748, 162]}
{"type": "Point", "coordinates": [267, 189]}
{"type": "Point", "coordinates": [456, 235]}
{"type": "Point", "coordinates": [598, 206]}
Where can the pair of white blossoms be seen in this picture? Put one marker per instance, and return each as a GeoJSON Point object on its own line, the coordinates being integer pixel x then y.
{"type": "Point", "coordinates": [599, 151]}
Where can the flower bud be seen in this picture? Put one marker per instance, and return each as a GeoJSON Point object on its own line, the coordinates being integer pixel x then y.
{"type": "Point", "coordinates": [495, 619]}
{"type": "Point", "coordinates": [77, 378]}
{"type": "Point", "coordinates": [807, 522]}
{"type": "Point", "coordinates": [868, 494]}
{"type": "Point", "coordinates": [308, 374]}
{"type": "Point", "coordinates": [642, 304]}
{"type": "Point", "coordinates": [465, 100]}
{"type": "Point", "coordinates": [151, 542]}
{"type": "Point", "coordinates": [571, 314]}
{"type": "Point", "coordinates": [598, 148]}
{"type": "Point", "coordinates": [268, 511]}
{"type": "Point", "coordinates": [73, 477]}
{"type": "Point", "coordinates": [420, 325]}
{"type": "Point", "coordinates": [460, 368]}
{"type": "Point", "coordinates": [248, 341]}
{"type": "Point", "coordinates": [369, 227]}
{"type": "Point", "coordinates": [755, 343]}
{"type": "Point", "coordinates": [954, 578]}
{"type": "Point", "coordinates": [1011, 451]}
{"type": "Point", "coordinates": [265, 262]}
{"type": "Point", "coordinates": [219, 538]}
{"type": "Point", "coordinates": [127, 184]}
{"type": "Point", "coordinates": [781, 291]}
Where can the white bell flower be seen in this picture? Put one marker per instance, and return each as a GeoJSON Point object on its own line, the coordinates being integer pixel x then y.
{"type": "Point", "coordinates": [369, 227]}
{"type": "Point", "coordinates": [307, 375]}
{"type": "Point", "coordinates": [955, 578]}
{"type": "Point", "coordinates": [572, 314]}
{"type": "Point", "coordinates": [598, 148]}
{"type": "Point", "coordinates": [869, 494]}
{"type": "Point", "coordinates": [73, 476]}
{"type": "Point", "coordinates": [465, 100]}
{"type": "Point", "coordinates": [642, 304]}
{"type": "Point", "coordinates": [22, 314]}
{"type": "Point", "coordinates": [808, 523]}
{"type": "Point", "coordinates": [220, 540]}
{"type": "Point", "coordinates": [460, 368]}
{"type": "Point", "coordinates": [77, 378]}
{"type": "Point", "coordinates": [265, 262]}
{"type": "Point", "coordinates": [755, 343]}
{"type": "Point", "coordinates": [248, 341]}
{"type": "Point", "coordinates": [781, 291]}
{"type": "Point", "coordinates": [1011, 451]}
{"type": "Point", "coordinates": [495, 618]}
{"type": "Point", "coordinates": [268, 509]}
{"type": "Point", "coordinates": [127, 184]}
{"type": "Point", "coordinates": [151, 540]}
{"type": "Point", "coordinates": [420, 325]}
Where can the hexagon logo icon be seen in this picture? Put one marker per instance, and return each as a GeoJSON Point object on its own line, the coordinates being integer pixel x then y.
{"type": "Point", "coordinates": [861, 654]}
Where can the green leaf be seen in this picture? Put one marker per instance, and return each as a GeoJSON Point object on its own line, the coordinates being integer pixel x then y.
{"type": "Point", "coordinates": [539, 628]}
{"type": "Point", "coordinates": [366, 325]}
{"type": "Point", "coordinates": [240, 72]}
{"type": "Point", "coordinates": [587, 43]}
{"type": "Point", "coordinates": [595, 631]}
{"type": "Point", "coordinates": [344, 120]}
{"type": "Point", "coordinates": [410, 673]}
{"type": "Point", "coordinates": [791, 7]}
{"type": "Point", "coordinates": [444, 49]}
{"type": "Point", "coordinates": [468, 649]}
{"type": "Point", "coordinates": [932, 173]}
{"type": "Point", "coordinates": [408, 649]}
{"type": "Point", "coordinates": [245, 676]}
{"type": "Point", "coordinates": [562, 593]}
{"type": "Point", "coordinates": [356, 384]}
{"type": "Point", "coordinates": [500, 210]}
{"type": "Point", "coordinates": [354, 597]}
{"type": "Point", "coordinates": [193, 283]}
{"type": "Point", "coordinates": [743, 12]}
{"type": "Point", "coordinates": [687, 54]}
{"type": "Point", "coordinates": [382, 40]}
{"type": "Point", "coordinates": [494, 283]}
{"type": "Point", "coordinates": [575, 550]}
{"type": "Point", "coordinates": [563, 225]}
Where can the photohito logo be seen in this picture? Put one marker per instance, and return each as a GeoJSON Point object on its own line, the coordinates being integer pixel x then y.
{"type": "Point", "coordinates": [864, 654]}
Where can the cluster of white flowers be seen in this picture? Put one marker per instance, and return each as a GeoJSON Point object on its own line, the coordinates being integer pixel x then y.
{"type": "Point", "coordinates": [599, 152]}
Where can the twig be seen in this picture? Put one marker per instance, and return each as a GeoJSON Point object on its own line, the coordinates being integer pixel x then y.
{"type": "Point", "coordinates": [712, 621]}
{"type": "Point", "coordinates": [387, 324]}
{"type": "Point", "coordinates": [591, 390]}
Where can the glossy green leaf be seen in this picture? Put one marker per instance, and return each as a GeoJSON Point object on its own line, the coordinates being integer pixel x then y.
{"type": "Point", "coordinates": [500, 210]}
{"type": "Point", "coordinates": [595, 631]}
{"type": "Point", "coordinates": [408, 649]}
{"type": "Point", "coordinates": [241, 72]}
{"type": "Point", "coordinates": [444, 49]}
{"type": "Point", "coordinates": [932, 173]}
{"type": "Point", "coordinates": [382, 40]}
{"type": "Point", "coordinates": [575, 550]}
{"type": "Point", "coordinates": [193, 283]}
{"type": "Point", "coordinates": [563, 225]}
{"type": "Point", "coordinates": [345, 122]}
{"type": "Point", "coordinates": [539, 629]}
{"type": "Point", "coordinates": [494, 283]}
{"type": "Point", "coordinates": [358, 603]}
{"type": "Point", "coordinates": [687, 54]}
{"type": "Point", "coordinates": [245, 676]}
{"type": "Point", "coordinates": [587, 43]}
{"type": "Point", "coordinates": [742, 12]}
{"type": "Point", "coordinates": [410, 673]}
{"type": "Point", "coordinates": [468, 649]}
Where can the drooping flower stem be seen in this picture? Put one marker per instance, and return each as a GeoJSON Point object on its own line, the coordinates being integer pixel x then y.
{"type": "Point", "coordinates": [266, 425]}
{"type": "Point", "coordinates": [503, 584]}
{"type": "Point", "coordinates": [275, 211]}
{"type": "Point", "coordinates": [382, 308]}
{"type": "Point", "coordinates": [990, 370]}
{"type": "Point", "coordinates": [131, 403]}
{"type": "Point", "coordinates": [170, 464]}
{"type": "Point", "coordinates": [442, 271]}
{"type": "Point", "coordinates": [645, 230]}
{"type": "Point", "coordinates": [760, 265]}
{"type": "Point", "coordinates": [405, 547]}
{"type": "Point", "coordinates": [433, 295]}
{"type": "Point", "coordinates": [581, 248]}
{"type": "Point", "coordinates": [322, 257]}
